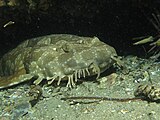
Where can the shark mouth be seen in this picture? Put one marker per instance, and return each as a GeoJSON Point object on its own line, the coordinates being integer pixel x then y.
{"type": "Point", "coordinates": [93, 69]}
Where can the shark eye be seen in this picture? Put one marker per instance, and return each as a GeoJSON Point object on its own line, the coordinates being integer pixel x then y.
{"type": "Point", "coordinates": [66, 48]}
{"type": "Point", "coordinates": [85, 43]}
{"type": "Point", "coordinates": [81, 42]}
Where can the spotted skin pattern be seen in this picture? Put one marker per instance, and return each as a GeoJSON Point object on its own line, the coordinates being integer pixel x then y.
{"type": "Point", "coordinates": [55, 57]}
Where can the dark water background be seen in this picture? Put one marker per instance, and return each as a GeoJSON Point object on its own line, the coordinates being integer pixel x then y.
{"type": "Point", "coordinates": [115, 22]}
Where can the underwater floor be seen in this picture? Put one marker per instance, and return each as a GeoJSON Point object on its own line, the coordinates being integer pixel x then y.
{"type": "Point", "coordinates": [18, 103]}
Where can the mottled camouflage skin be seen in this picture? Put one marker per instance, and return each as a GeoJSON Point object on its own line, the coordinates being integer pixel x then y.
{"type": "Point", "coordinates": [55, 57]}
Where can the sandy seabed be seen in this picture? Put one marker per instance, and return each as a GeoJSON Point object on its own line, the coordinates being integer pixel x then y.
{"type": "Point", "coordinates": [121, 83]}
